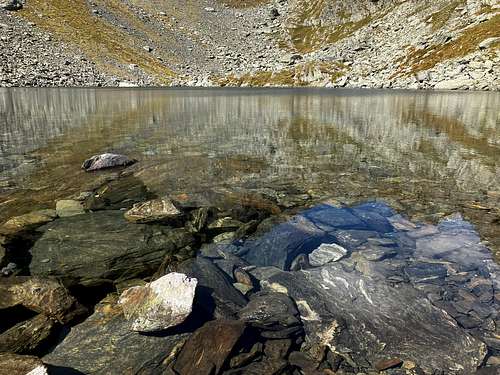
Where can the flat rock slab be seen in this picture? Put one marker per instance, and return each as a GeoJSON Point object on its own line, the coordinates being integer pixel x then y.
{"type": "Point", "coordinates": [206, 351]}
{"type": "Point", "coordinates": [372, 320]}
{"type": "Point", "coordinates": [101, 247]}
{"type": "Point", "coordinates": [162, 304]}
{"type": "Point", "coordinates": [326, 253]}
{"type": "Point", "coordinates": [107, 160]}
{"type": "Point", "coordinates": [104, 344]}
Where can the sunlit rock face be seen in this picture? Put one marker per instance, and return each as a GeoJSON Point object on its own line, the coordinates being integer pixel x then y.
{"type": "Point", "coordinates": [419, 292]}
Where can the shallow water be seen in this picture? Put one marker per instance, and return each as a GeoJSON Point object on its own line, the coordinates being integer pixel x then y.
{"type": "Point", "coordinates": [429, 154]}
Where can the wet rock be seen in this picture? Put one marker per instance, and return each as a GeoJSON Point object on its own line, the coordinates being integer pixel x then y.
{"type": "Point", "coordinates": [154, 210]}
{"type": "Point", "coordinates": [424, 272]}
{"type": "Point", "coordinates": [15, 364]}
{"type": "Point", "coordinates": [206, 351]}
{"type": "Point", "coordinates": [68, 207]}
{"type": "Point", "coordinates": [104, 344]}
{"type": "Point", "coordinates": [107, 160]}
{"type": "Point", "coordinates": [164, 303]}
{"type": "Point", "coordinates": [28, 221]}
{"type": "Point", "coordinates": [381, 320]}
{"type": "Point", "coordinates": [101, 247]}
{"type": "Point", "coordinates": [326, 253]}
{"type": "Point", "coordinates": [44, 296]}
{"type": "Point", "coordinates": [301, 262]}
{"type": "Point", "coordinates": [11, 4]}
{"type": "Point", "coordinates": [28, 336]}
{"type": "Point", "coordinates": [215, 295]}
{"type": "Point", "coordinates": [377, 253]}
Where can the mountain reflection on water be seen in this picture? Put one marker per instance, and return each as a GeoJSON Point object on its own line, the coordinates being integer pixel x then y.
{"type": "Point", "coordinates": [428, 153]}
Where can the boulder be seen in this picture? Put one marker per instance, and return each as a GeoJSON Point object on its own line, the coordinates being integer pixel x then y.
{"type": "Point", "coordinates": [15, 364]}
{"type": "Point", "coordinates": [102, 247]}
{"type": "Point", "coordinates": [164, 303]}
{"type": "Point", "coordinates": [326, 253]}
{"type": "Point", "coordinates": [104, 344]}
{"type": "Point", "coordinates": [161, 209]}
{"type": "Point", "coordinates": [207, 350]}
{"type": "Point", "coordinates": [487, 43]}
{"type": "Point", "coordinates": [48, 297]}
{"type": "Point", "coordinates": [107, 160]}
{"type": "Point", "coordinates": [454, 84]}
{"type": "Point", "coordinates": [11, 4]}
{"type": "Point", "coordinates": [69, 207]}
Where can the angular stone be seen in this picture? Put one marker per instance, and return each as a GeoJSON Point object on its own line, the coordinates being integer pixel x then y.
{"type": "Point", "coordinates": [26, 337]}
{"type": "Point", "coordinates": [45, 296]}
{"type": "Point", "coordinates": [244, 358]}
{"type": "Point", "coordinates": [154, 210]}
{"type": "Point", "coordinates": [15, 364]}
{"type": "Point", "coordinates": [487, 43]}
{"type": "Point", "coordinates": [107, 160]}
{"type": "Point", "coordinates": [101, 247]}
{"type": "Point", "coordinates": [164, 303]}
{"type": "Point", "coordinates": [206, 351]}
{"type": "Point", "coordinates": [326, 253]}
{"type": "Point", "coordinates": [242, 277]}
{"type": "Point", "coordinates": [277, 348]}
{"type": "Point", "coordinates": [388, 363]}
{"type": "Point", "coordinates": [69, 207]}
{"type": "Point", "coordinates": [104, 344]}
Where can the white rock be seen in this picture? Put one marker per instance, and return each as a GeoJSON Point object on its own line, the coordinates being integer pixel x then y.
{"type": "Point", "coordinates": [153, 210]}
{"type": "Point", "coordinates": [39, 370]}
{"type": "Point", "coordinates": [326, 253]}
{"type": "Point", "coordinates": [164, 303]}
{"type": "Point", "coordinates": [454, 84]}
{"type": "Point", "coordinates": [488, 42]}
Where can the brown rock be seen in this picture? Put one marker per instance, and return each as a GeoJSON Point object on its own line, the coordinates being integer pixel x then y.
{"type": "Point", "coordinates": [45, 296]}
{"type": "Point", "coordinates": [27, 336]}
{"type": "Point", "coordinates": [244, 358]}
{"type": "Point", "coordinates": [208, 348]}
{"type": "Point", "coordinates": [242, 276]}
{"type": "Point", "coordinates": [387, 364]}
{"type": "Point", "coordinates": [304, 362]}
{"type": "Point", "coordinates": [277, 348]}
{"type": "Point", "coordinates": [28, 221]}
{"type": "Point", "coordinates": [15, 364]}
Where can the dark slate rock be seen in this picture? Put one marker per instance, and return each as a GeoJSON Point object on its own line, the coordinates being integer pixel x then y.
{"type": "Point", "coordinates": [28, 336]}
{"type": "Point", "coordinates": [94, 248]}
{"type": "Point", "coordinates": [377, 207]}
{"type": "Point", "coordinates": [377, 253]}
{"type": "Point", "coordinates": [244, 358]}
{"type": "Point", "coordinates": [107, 160]}
{"type": "Point", "coordinates": [424, 272]}
{"type": "Point", "coordinates": [215, 293]}
{"type": "Point", "coordinates": [266, 366]}
{"type": "Point", "coordinates": [330, 218]}
{"type": "Point", "coordinates": [351, 239]}
{"type": "Point", "coordinates": [15, 364]}
{"type": "Point", "coordinates": [373, 320]}
{"type": "Point", "coordinates": [208, 348]}
{"type": "Point", "coordinates": [277, 348]}
{"type": "Point", "coordinates": [373, 220]}
{"type": "Point", "coordinates": [104, 344]}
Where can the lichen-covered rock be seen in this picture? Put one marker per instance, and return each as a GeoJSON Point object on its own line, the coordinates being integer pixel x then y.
{"type": "Point", "coordinates": [107, 160]}
{"type": "Point", "coordinates": [45, 296]}
{"type": "Point", "coordinates": [154, 210]}
{"type": "Point", "coordinates": [164, 303]}
{"type": "Point", "coordinates": [69, 207]}
{"type": "Point", "coordinates": [28, 336]}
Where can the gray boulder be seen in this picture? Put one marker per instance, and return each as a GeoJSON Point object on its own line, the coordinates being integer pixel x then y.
{"type": "Point", "coordinates": [10, 4]}
{"type": "Point", "coordinates": [107, 160]}
{"type": "Point", "coordinates": [101, 247]}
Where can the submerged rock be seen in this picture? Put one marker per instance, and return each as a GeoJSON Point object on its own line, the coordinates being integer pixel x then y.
{"type": "Point", "coordinates": [106, 160]}
{"type": "Point", "coordinates": [28, 221]}
{"type": "Point", "coordinates": [164, 303]}
{"type": "Point", "coordinates": [154, 210]}
{"type": "Point", "coordinates": [69, 207]}
{"type": "Point", "coordinates": [104, 344]}
{"type": "Point", "coordinates": [206, 351]}
{"type": "Point", "coordinates": [102, 247]}
{"type": "Point", "coordinates": [326, 253]}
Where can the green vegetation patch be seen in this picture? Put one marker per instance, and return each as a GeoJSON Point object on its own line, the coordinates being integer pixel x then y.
{"type": "Point", "coordinates": [442, 16]}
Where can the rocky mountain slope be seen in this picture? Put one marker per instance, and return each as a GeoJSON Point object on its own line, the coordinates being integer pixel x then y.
{"type": "Point", "coordinates": [441, 44]}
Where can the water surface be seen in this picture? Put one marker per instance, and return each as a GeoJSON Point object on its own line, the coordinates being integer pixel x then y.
{"type": "Point", "coordinates": [428, 154]}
